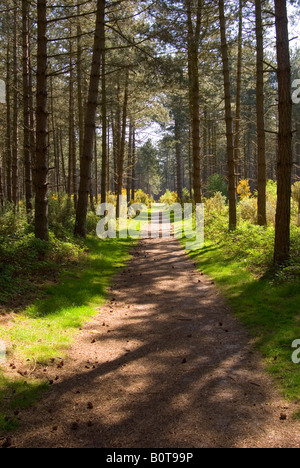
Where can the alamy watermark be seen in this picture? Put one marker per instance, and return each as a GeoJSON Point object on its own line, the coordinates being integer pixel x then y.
{"type": "Point", "coordinates": [2, 352]}
{"type": "Point", "coordinates": [296, 92]}
{"type": "Point", "coordinates": [296, 354]}
{"type": "Point", "coordinates": [136, 221]}
{"type": "Point", "coordinates": [2, 92]}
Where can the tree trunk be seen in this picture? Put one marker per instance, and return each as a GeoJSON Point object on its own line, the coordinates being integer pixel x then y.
{"type": "Point", "coordinates": [41, 173]}
{"type": "Point", "coordinates": [96, 169]}
{"type": "Point", "coordinates": [8, 129]}
{"type": "Point", "coordinates": [1, 187]}
{"type": "Point", "coordinates": [193, 68]}
{"type": "Point", "coordinates": [229, 121]}
{"type": "Point", "coordinates": [129, 168]}
{"type": "Point", "coordinates": [54, 139]}
{"type": "Point", "coordinates": [123, 140]}
{"type": "Point", "coordinates": [90, 123]}
{"type": "Point", "coordinates": [297, 154]}
{"type": "Point", "coordinates": [104, 130]}
{"type": "Point", "coordinates": [26, 107]}
{"type": "Point", "coordinates": [285, 158]}
{"type": "Point", "coordinates": [237, 153]}
{"type": "Point", "coordinates": [63, 162]}
{"type": "Point", "coordinates": [190, 166]}
{"type": "Point", "coordinates": [108, 158]}
{"type": "Point", "coordinates": [196, 128]}
{"type": "Point", "coordinates": [79, 85]}
{"type": "Point", "coordinates": [15, 182]}
{"type": "Point", "coordinates": [72, 185]}
{"type": "Point", "coordinates": [115, 152]}
{"type": "Point", "coordinates": [179, 178]}
{"type": "Point", "coordinates": [133, 173]}
{"type": "Point", "coordinates": [260, 105]}
{"type": "Point", "coordinates": [32, 124]}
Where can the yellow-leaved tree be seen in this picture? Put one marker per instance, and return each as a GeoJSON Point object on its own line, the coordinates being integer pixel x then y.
{"type": "Point", "coordinates": [244, 190]}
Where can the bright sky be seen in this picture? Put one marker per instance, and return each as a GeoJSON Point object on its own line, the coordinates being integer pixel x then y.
{"type": "Point", "coordinates": [153, 132]}
{"type": "Point", "coordinates": [294, 27]}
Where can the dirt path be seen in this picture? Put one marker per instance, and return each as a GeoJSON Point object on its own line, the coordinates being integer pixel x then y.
{"type": "Point", "coordinates": [163, 365]}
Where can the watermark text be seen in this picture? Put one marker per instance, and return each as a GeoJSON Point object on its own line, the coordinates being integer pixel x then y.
{"type": "Point", "coordinates": [2, 92]}
{"type": "Point", "coordinates": [2, 352]}
{"type": "Point", "coordinates": [137, 221]}
{"type": "Point", "coordinates": [296, 354]}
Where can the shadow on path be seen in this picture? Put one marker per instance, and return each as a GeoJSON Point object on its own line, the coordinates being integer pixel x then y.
{"type": "Point", "coordinates": [168, 366]}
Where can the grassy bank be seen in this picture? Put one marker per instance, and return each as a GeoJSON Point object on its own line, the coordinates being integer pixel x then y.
{"type": "Point", "coordinates": [268, 304]}
{"type": "Point", "coordinates": [46, 329]}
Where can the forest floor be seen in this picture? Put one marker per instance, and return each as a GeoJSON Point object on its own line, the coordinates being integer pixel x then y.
{"type": "Point", "coordinates": [163, 364]}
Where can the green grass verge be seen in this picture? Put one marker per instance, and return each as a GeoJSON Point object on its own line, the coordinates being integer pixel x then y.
{"type": "Point", "coordinates": [269, 309]}
{"type": "Point", "coordinates": [46, 329]}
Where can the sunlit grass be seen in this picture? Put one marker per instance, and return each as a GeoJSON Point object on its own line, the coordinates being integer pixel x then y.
{"type": "Point", "coordinates": [269, 309]}
{"type": "Point", "coordinates": [46, 329]}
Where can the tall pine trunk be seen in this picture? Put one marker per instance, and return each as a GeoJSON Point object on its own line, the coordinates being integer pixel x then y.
{"type": "Point", "coordinates": [55, 144]}
{"type": "Point", "coordinates": [26, 106]}
{"type": "Point", "coordinates": [195, 117]}
{"type": "Point", "coordinates": [260, 106]}
{"type": "Point", "coordinates": [15, 181]}
{"type": "Point", "coordinates": [194, 87]}
{"type": "Point", "coordinates": [122, 146]}
{"type": "Point", "coordinates": [86, 156]}
{"type": "Point", "coordinates": [104, 130]}
{"type": "Point", "coordinates": [41, 162]}
{"type": "Point", "coordinates": [133, 172]}
{"type": "Point", "coordinates": [8, 128]}
{"type": "Point", "coordinates": [79, 85]}
{"type": "Point", "coordinates": [285, 158]}
{"type": "Point", "coordinates": [229, 121]}
{"type": "Point", "coordinates": [32, 123]}
{"type": "Point", "coordinates": [72, 185]}
{"type": "Point", "coordinates": [237, 152]}
{"type": "Point", "coordinates": [129, 167]}
{"type": "Point", "coordinates": [178, 150]}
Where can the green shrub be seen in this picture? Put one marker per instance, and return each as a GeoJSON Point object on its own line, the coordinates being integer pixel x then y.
{"type": "Point", "coordinates": [142, 197]}
{"type": "Point", "coordinates": [91, 222]}
{"type": "Point", "coordinates": [247, 209]}
{"type": "Point", "coordinates": [13, 223]}
{"type": "Point", "coordinates": [61, 215]}
{"type": "Point", "coordinates": [169, 198]}
{"type": "Point", "coordinates": [215, 184]}
{"type": "Point", "coordinates": [186, 196]}
{"type": "Point", "coordinates": [272, 189]}
{"type": "Point", "coordinates": [26, 262]}
{"type": "Point", "coordinates": [111, 198]}
{"type": "Point", "coordinates": [215, 204]}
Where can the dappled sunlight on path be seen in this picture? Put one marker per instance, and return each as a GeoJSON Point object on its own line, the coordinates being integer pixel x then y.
{"type": "Point", "coordinates": [163, 364]}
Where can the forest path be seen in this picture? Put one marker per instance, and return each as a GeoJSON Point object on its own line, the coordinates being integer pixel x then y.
{"type": "Point", "coordinates": [163, 365]}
